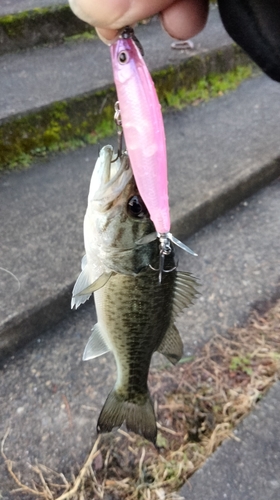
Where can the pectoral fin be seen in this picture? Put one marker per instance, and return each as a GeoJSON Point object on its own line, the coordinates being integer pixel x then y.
{"type": "Point", "coordinates": [99, 283]}
{"type": "Point", "coordinates": [84, 287]}
{"type": "Point", "coordinates": [84, 262]}
{"type": "Point", "coordinates": [96, 345]}
{"type": "Point", "coordinates": [172, 346]}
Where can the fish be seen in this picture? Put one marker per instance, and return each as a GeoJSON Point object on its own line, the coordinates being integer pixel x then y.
{"type": "Point", "coordinates": [143, 128]}
{"type": "Point", "coordinates": [135, 313]}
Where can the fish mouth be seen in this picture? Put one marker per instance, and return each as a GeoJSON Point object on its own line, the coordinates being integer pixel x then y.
{"type": "Point", "coordinates": [110, 176]}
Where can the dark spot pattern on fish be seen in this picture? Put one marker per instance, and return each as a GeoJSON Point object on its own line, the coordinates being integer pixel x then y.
{"type": "Point", "coordinates": [140, 311]}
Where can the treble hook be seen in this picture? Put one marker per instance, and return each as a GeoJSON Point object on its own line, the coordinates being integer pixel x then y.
{"type": "Point", "coordinates": [164, 249]}
{"type": "Point", "coordinates": [161, 268]}
{"type": "Point", "coordinates": [118, 121]}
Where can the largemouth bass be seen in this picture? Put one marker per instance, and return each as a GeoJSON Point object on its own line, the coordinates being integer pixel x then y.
{"type": "Point", "coordinates": [135, 312]}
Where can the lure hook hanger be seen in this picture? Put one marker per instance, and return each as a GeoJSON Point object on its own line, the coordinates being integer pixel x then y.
{"type": "Point", "coordinates": [164, 249]}
{"type": "Point", "coordinates": [118, 121]}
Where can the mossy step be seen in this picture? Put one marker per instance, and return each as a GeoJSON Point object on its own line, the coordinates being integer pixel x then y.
{"type": "Point", "coordinates": [12, 6]}
{"type": "Point", "coordinates": [64, 96]}
{"type": "Point", "coordinates": [41, 25]}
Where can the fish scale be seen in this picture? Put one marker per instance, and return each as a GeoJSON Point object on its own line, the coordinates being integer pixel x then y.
{"type": "Point", "coordinates": [145, 323]}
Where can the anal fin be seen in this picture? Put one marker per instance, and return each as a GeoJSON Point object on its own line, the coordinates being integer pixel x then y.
{"type": "Point", "coordinates": [172, 346]}
{"type": "Point", "coordinates": [96, 345]}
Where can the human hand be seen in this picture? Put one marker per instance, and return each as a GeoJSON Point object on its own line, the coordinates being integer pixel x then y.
{"type": "Point", "coordinates": [182, 19]}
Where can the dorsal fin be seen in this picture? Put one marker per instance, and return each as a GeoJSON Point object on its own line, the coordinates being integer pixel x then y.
{"type": "Point", "coordinates": [184, 292]}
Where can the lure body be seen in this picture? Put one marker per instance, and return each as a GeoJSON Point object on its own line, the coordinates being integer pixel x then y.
{"type": "Point", "coordinates": [143, 129]}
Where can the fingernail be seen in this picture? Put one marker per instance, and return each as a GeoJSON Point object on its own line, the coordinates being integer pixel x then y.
{"type": "Point", "coordinates": [107, 36]}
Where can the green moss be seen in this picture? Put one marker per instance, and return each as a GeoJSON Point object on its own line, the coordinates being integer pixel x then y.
{"type": "Point", "coordinates": [241, 363]}
{"type": "Point", "coordinates": [31, 14]}
{"type": "Point", "coordinates": [64, 125]}
{"type": "Point", "coordinates": [211, 86]}
{"type": "Point", "coordinates": [189, 74]}
{"type": "Point", "coordinates": [14, 24]}
{"type": "Point", "coordinates": [29, 25]}
{"type": "Point", "coordinates": [82, 37]}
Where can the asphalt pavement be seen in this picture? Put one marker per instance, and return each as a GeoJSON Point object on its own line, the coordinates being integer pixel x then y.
{"type": "Point", "coordinates": [246, 467]}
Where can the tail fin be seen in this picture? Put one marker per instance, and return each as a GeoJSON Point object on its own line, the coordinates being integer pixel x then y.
{"type": "Point", "coordinates": [138, 418]}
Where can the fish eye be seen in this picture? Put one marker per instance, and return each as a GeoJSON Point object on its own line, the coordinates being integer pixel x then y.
{"type": "Point", "coordinates": [123, 57]}
{"type": "Point", "coordinates": [136, 207]}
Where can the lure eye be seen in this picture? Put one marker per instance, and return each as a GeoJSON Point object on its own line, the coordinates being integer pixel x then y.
{"type": "Point", "coordinates": [123, 57]}
{"type": "Point", "coordinates": [136, 207]}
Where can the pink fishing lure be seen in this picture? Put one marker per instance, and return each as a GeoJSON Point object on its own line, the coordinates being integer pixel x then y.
{"type": "Point", "coordinates": [143, 128]}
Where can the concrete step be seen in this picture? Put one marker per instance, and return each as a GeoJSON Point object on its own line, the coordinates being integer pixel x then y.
{"type": "Point", "coordinates": [247, 467]}
{"type": "Point", "coordinates": [58, 94]}
{"type": "Point", "coordinates": [218, 153]}
{"type": "Point", "coordinates": [29, 23]}
{"type": "Point", "coordinates": [50, 399]}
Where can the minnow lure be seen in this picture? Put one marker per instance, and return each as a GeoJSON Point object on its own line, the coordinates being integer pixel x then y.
{"type": "Point", "coordinates": [142, 124]}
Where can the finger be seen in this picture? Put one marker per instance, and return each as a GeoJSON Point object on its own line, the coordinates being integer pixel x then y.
{"type": "Point", "coordinates": [106, 35]}
{"type": "Point", "coordinates": [113, 15]}
{"type": "Point", "coordinates": [183, 19]}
